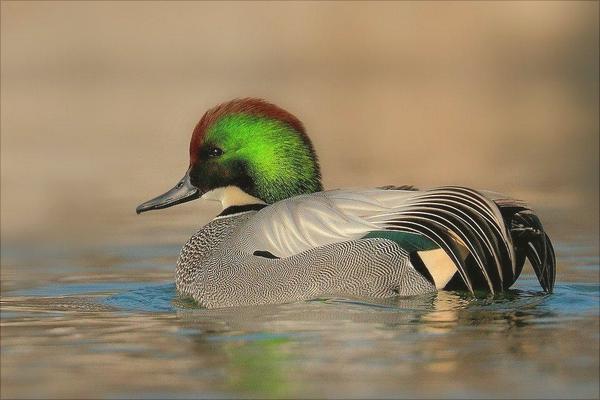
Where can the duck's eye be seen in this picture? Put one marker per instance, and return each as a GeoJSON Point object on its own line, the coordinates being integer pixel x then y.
{"type": "Point", "coordinates": [215, 152]}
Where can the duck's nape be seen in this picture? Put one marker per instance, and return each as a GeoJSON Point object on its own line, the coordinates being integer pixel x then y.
{"type": "Point", "coordinates": [252, 146]}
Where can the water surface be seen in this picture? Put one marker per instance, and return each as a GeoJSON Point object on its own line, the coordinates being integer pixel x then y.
{"type": "Point", "coordinates": [106, 322]}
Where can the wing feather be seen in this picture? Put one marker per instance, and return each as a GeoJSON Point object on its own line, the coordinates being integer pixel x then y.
{"type": "Point", "coordinates": [452, 217]}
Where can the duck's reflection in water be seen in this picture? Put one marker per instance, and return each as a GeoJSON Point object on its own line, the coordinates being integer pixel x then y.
{"type": "Point", "coordinates": [440, 344]}
{"type": "Point", "coordinates": [435, 343]}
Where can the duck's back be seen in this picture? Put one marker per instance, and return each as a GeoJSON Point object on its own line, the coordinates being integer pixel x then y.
{"type": "Point", "coordinates": [364, 242]}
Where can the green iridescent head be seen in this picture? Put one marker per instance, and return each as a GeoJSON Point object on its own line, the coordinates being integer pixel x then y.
{"type": "Point", "coordinates": [248, 144]}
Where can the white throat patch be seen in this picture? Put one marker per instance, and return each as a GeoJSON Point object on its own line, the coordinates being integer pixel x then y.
{"type": "Point", "coordinates": [231, 196]}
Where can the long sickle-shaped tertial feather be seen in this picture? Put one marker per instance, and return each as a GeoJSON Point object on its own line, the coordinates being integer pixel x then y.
{"type": "Point", "coordinates": [499, 235]}
{"type": "Point", "coordinates": [454, 217]}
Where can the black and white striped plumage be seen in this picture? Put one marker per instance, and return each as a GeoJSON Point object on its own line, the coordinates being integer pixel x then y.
{"type": "Point", "coordinates": [364, 242]}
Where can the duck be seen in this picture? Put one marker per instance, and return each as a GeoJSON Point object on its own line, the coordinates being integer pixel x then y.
{"type": "Point", "coordinates": [282, 238]}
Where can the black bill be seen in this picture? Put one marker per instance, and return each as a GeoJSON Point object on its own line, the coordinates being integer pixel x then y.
{"type": "Point", "coordinates": [182, 192]}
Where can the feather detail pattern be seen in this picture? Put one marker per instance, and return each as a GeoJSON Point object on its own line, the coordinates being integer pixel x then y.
{"type": "Point", "coordinates": [215, 273]}
{"type": "Point", "coordinates": [454, 218]}
{"type": "Point", "coordinates": [354, 242]}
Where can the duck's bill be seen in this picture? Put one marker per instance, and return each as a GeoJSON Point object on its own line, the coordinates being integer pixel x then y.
{"type": "Point", "coordinates": [182, 192]}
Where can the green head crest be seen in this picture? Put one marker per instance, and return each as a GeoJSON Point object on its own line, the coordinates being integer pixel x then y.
{"type": "Point", "coordinates": [256, 146]}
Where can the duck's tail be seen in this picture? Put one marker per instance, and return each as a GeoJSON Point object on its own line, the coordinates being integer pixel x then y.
{"type": "Point", "coordinates": [529, 241]}
{"type": "Point", "coordinates": [485, 235]}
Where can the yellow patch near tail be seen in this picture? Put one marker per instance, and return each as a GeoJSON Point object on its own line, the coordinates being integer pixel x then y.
{"type": "Point", "coordinates": [440, 266]}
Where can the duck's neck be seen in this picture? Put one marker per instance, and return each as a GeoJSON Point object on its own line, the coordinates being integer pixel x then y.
{"type": "Point", "coordinates": [230, 196]}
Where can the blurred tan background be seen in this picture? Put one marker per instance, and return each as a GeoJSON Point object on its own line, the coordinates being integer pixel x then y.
{"type": "Point", "coordinates": [98, 101]}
